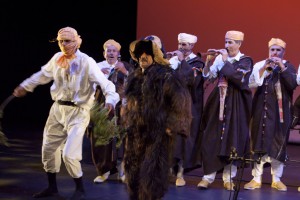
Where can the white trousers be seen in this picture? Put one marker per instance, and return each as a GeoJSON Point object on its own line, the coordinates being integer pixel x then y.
{"type": "Point", "coordinates": [276, 169]}
{"type": "Point", "coordinates": [229, 172]}
{"type": "Point", "coordinates": [63, 138]}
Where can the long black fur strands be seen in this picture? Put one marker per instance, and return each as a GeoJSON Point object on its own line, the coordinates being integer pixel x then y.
{"type": "Point", "coordinates": [155, 99]}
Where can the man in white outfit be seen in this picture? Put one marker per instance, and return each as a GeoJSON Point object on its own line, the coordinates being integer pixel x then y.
{"type": "Point", "coordinates": [74, 75]}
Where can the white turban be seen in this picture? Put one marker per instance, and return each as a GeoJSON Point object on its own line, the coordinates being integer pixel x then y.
{"type": "Point", "coordinates": [184, 37]}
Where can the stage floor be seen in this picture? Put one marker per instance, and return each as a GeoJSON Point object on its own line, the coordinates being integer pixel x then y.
{"type": "Point", "coordinates": [21, 175]}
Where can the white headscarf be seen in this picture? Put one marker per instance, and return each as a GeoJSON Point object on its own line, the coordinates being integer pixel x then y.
{"type": "Point", "coordinates": [184, 37]}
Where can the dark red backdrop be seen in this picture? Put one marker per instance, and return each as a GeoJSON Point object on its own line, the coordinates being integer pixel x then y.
{"type": "Point", "coordinates": [260, 20]}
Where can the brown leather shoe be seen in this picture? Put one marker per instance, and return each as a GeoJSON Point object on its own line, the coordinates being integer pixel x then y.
{"type": "Point", "coordinates": [252, 185]}
{"type": "Point", "coordinates": [203, 185]}
{"type": "Point", "coordinates": [279, 186]}
{"type": "Point", "coordinates": [229, 186]}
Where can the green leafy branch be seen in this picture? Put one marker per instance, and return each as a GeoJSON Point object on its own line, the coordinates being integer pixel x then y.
{"type": "Point", "coordinates": [105, 129]}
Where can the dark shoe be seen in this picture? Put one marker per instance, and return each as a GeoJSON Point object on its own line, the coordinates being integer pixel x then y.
{"type": "Point", "coordinates": [45, 193]}
{"type": "Point", "coordinates": [78, 195]}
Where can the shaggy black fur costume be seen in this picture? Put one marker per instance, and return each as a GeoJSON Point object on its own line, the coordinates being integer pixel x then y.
{"type": "Point", "coordinates": [156, 100]}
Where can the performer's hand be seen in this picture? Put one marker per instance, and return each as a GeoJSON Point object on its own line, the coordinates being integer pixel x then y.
{"type": "Point", "coordinates": [168, 131]}
{"type": "Point", "coordinates": [224, 53]}
{"type": "Point", "coordinates": [109, 106]}
{"type": "Point", "coordinates": [177, 53]}
{"type": "Point", "coordinates": [121, 68]}
{"type": "Point", "coordinates": [110, 109]}
{"type": "Point", "coordinates": [278, 61]}
{"type": "Point", "coordinates": [19, 91]}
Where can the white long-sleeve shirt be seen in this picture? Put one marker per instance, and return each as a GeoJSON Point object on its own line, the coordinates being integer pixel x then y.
{"type": "Point", "coordinates": [105, 65]}
{"type": "Point", "coordinates": [298, 76]}
{"type": "Point", "coordinates": [219, 63]}
{"type": "Point", "coordinates": [174, 62]}
{"type": "Point", "coordinates": [76, 84]}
